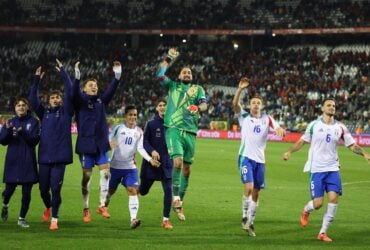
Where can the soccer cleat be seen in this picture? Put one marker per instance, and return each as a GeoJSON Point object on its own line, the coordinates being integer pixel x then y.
{"type": "Point", "coordinates": [180, 213]}
{"type": "Point", "coordinates": [179, 210]}
{"type": "Point", "coordinates": [86, 215]}
{"type": "Point", "coordinates": [251, 230]}
{"type": "Point", "coordinates": [176, 204]}
{"type": "Point", "coordinates": [4, 214]}
{"type": "Point", "coordinates": [46, 214]}
{"type": "Point", "coordinates": [135, 223]}
{"type": "Point", "coordinates": [53, 225]}
{"type": "Point", "coordinates": [245, 223]}
{"type": "Point", "coordinates": [103, 211]}
{"type": "Point", "coordinates": [304, 217]}
{"type": "Point", "coordinates": [23, 223]}
{"type": "Point", "coordinates": [324, 237]}
{"type": "Point", "coordinates": [167, 225]}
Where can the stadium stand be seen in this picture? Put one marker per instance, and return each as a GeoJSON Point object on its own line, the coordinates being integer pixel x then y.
{"type": "Point", "coordinates": [292, 74]}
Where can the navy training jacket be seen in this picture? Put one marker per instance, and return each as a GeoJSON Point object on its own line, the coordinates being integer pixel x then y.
{"type": "Point", "coordinates": [92, 126]}
{"type": "Point", "coordinates": [154, 139]}
{"type": "Point", "coordinates": [56, 140]}
{"type": "Point", "coordinates": [20, 160]}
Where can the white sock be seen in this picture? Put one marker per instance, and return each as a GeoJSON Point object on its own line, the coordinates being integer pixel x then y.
{"type": "Point", "coordinates": [104, 186]}
{"type": "Point", "coordinates": [252, 211]}
{"type": "Point", "coordinates": [328, 217]}
{"type": "Point", "coordinates": [86, 197]}
{"type": "Point", "coordinates": [133, 206]}
{"type": "Point", "coordinates": [176, 198]}
{"type": "Point", "coordinates": [54, 219]}
{"type": "Point", "coordinates": [166, 219]}
{"type": "Point", "coordinates": [246, 200]}
{"type": "Point", "coordinates": [309, 207]}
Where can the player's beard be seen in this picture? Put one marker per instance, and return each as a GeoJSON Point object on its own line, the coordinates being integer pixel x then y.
{"type": "Point", "coordinates": [186, 81]}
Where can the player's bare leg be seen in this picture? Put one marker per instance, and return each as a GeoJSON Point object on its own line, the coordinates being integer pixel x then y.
{"type": "Point", "coordinates": [86, 179]}
{"type": "Point", "coordinates": [104, 186]}
{"type": "Point", "coordinates": [133, 206]}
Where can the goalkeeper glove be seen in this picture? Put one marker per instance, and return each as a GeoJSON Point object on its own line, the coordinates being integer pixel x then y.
{"type": "Point", "coordinates": [172, 55]}
{"type": "Point", "coordinates": [193, 109]}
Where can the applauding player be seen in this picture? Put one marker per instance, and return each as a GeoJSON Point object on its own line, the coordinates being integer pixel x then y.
{"type": "Point", "coordinates": [126, 139]}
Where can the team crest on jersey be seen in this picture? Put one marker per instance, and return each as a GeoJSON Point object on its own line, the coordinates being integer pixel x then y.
{"type": "Point", "coordinates": [321, 130]}
{"type": "Point", "coordinates": [336, 133]}
{"type": "Point", "coordinates": [192, 90]}
{"type": "Point", "coordinates": [28, 126]}
{"type": "Point", "coordinates": [136, 135]}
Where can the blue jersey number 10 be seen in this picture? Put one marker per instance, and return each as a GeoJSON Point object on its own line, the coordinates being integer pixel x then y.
{"type": "Point", "coordinates": [128, 140]}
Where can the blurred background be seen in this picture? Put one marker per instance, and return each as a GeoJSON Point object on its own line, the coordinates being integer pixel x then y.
{"type": "Point", "coordinates": [295, 52]}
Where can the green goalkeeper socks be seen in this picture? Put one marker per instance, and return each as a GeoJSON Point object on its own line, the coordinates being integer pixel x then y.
{"type": "Point", "coordinates": [183, 185]}
{"type": "Point", "coordinates": [176, 173]}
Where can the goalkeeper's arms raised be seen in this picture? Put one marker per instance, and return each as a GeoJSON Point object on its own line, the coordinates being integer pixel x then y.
{"type": "Point", "coordinates": [171, 56]}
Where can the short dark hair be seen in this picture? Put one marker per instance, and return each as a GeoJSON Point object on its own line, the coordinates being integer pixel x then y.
{"type": "Point", "coordinates": [160, 100]}
{"type": "Point", "coordinates": [88, 80]}
{"type": "Point", "coordinates": [21, 99]}
{"type": "Point", "coordinates": [129, 107]}
{"type": "Point", "coordinates": [330, 98]}
{"type": "Point", "coordinates": [55, 92]}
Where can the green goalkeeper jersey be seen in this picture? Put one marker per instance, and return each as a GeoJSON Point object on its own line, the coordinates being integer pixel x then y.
{"type": "Point", "coordinates": [180, 97]}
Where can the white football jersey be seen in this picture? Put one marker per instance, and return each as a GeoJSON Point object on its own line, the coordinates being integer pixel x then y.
{"type": "Point", "coordinates": [323, 155]}
{"type": "Point", "coordinates": [254, 133]}
{"type": "Point", "coordinates": [127, 140]}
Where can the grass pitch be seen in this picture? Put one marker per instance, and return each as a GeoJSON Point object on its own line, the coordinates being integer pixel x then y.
{"type": "Point", "coordinates": [212, 207]}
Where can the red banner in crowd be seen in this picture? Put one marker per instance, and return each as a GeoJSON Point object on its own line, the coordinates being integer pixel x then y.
{"type": "Point", "coordinates": [363, 139]}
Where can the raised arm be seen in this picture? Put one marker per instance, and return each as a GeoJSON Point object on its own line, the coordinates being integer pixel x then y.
{"type": "Point", "coordinates": [109, 93]}
{"type": "Point", "coordinates": [76, 90]}
{"type": "Point", "coordinates": [33, 95]}
{"type": "Point", "coordinates": [67, 98]}
{"type": "Point", "coordinates": [171, 56]}
{"type": "Point", "coordinates": [243, 83]}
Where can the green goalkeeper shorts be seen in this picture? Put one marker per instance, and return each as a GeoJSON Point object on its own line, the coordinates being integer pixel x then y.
{"type": "Point", "coordinates": [180, 144]}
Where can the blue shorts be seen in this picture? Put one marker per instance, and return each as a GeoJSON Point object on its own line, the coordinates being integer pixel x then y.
{"type": "Point", "coordinates": [128, 178]}
{"type": "Point", "coordinates": [252, 171]}
{"type": "Point", "coordinates": [325, 182]}
{"type": "Point", "coordinates": [90, 160]}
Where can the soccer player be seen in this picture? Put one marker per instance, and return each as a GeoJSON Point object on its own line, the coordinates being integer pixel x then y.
{"type": "Point", "coordinates": [21, 134]}
{"type": "Point", "coordinates": [254, 130]}
{"type": "Point", "coordinates": [126, 139]}
{"type": "Point", "coordinates": [323, 163]}
{"type": "Point", "coordinates": [55, 149]}
{"type": "Point", "coordinates": [155, 145]}
{"type": "Point", "coordinates": [92, 144]}
{"type": "Point", "coordinates": [185, 100]}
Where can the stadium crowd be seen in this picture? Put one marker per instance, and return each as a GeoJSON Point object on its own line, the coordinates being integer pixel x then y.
{"type": "Point", "coordinates": [230, 14]}
{"type": "Point", "coordinates": [292, 80]}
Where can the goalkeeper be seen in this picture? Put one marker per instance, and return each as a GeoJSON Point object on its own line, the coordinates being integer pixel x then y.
{"type": "Point", "coordinates": [185, 101]}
